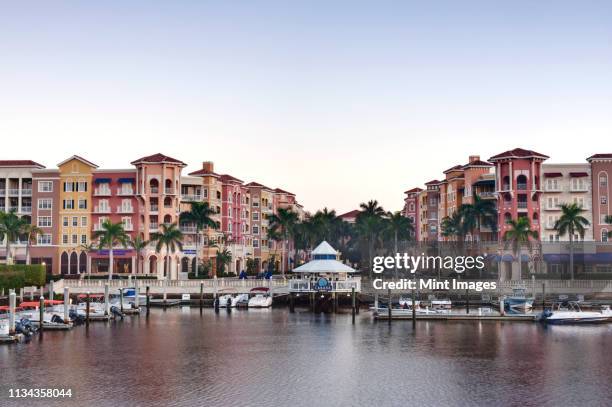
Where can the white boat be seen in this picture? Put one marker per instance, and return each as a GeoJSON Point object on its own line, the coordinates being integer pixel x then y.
{"type": "Point", "coordinates": [227, 300]}
{"type": "Point", "coordinates": [261, 298]}
{"type": "Point", "coordinates": [407, 302]}
{"type": "Point", "coordinates": [518, 301]}
{"type": "Point", "coordinates": [437, 303]}
{"type": "Point", "coordinates": [570, 313]}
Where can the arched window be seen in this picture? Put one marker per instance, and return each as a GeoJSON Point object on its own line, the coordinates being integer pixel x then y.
{"type": "Point", "coordinates": [154, 186]}
{"type": "Point", "coordinates": [83, 263]}
{"type": "Point", "coordinates": [521, 182]}
{"type": "Point", "coordinates": [604, 235]}
{"type": "Point", "coordinates": [507, 217]}
{"type": "Point", "coordinates": [506, 183]}
{"type": "Point", "coordinates": [74, 263]}
{"type": "Point", "coordinates": [185, 265]}
{"type": "Point", "coordinates": [167, 219]}
{"type": "Point", "coordinates": [64, 263]}
{"type": "Point", "coordinates": [153, 265]}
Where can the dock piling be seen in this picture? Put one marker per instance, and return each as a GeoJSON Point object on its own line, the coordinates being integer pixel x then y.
{"type": "Point", "coordinates": [51, 289]}
{"type": "Point", "coordinates": [41, 314]}
{"type": "Point", "coordinates": [389, 306]}
{"type": "Point", "coordinates": [136, 296]}
{"type": "Point", "coordinates": [353, 305]}
{"type": "Point", "coordinates": [291, 302]}
{"type": "Point", "coordinates": [148, 300]}
{"type": "Point", "coordinates": [87, 310]}
{"type": "Point", "coordinates": [66, 304]}
{"type": "Point", "coordinates": [502, 307]}
{"type": "Point", "coordinates": [12, 300]}
{"type": "Point", "coordinates": [21, 295]}
{"type": "Point", "coordinates": [543, 297]}
{"type": "Point", "coordinates": [358, 303]}
{"type": "Point", "coordinates": [467, 301]}
{"type": "Point", "coordinates": [121, 299]}
{"type": "Point", "coordinates": [201, 295]}
{"type": "Point", "coordinates": [376, 300]}
{"type": "Point", "coordinates": [106, 300]}
{"type": "Point", "coordinates": [413, 310]}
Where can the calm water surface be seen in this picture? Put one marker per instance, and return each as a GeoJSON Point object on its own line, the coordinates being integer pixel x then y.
{"type": "Point", "coordinates": [271, 357]}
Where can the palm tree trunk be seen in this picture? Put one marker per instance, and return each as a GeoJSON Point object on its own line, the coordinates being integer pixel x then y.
{"type": "Point", "coordinates": [571, 253]}
{"type": "Point", "coordinates": [197, 245]}
{"type": "Point", "coordinates": [28, 261]}
{"type": "Point", "coordinates": [110, 263]}
{"type": "Point", "coordinates": [395, 249]}
{"type": "Point", "coordinates": [8, 249]}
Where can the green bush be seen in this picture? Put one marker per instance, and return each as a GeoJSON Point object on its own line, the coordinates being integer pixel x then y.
{"type": "Point", "coordinates": [20, 275]}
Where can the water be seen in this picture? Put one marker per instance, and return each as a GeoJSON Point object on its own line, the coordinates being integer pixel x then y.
{"type": "Point", "coordinates": [271, 357]}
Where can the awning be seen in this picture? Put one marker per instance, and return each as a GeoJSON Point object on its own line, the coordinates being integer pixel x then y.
{"type": "Point", "coordinates": [579, 174]}
{"type": "Point", "coordinates": [553, 174]}
{"type": "Point", "coordinates": [586, 258]}
{"type": "Point", "coordinates": [127, 180]}
{"type": "Point", "coordinates": [102, 180]}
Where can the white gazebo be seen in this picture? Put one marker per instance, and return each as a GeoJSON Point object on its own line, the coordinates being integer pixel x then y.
{"type": "Point", "coordinates": [324, 273]}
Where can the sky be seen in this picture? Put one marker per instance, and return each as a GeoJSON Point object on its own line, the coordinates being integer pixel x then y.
{"type": "Point", "coordinates": [339, 102]}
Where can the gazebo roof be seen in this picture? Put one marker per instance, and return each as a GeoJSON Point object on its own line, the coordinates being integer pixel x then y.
{"type": "Point", "coordinates": [324, 248]}
{"type": "Point", "coordinates": [324, 261]}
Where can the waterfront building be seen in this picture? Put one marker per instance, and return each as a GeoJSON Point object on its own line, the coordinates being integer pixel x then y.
{"type": "Point", "coordinates": [262, 206]}
{"type": "Point", "coordinates": [422, 215]}
{"type": "Point", "coordinates": [158, 180]}
{"type": "Point", "coordinates": [350, 216]}
{"type": "Point", "coordinates": [518, 186]}
{"type": "Point", "coordinates": [601, 187]}
{"type": "Point", "coordinates": [484, 187]}
{"type": "Point", "coordinates": [16, 196]}
{"type": "Point", "coordinates": [75, 200]}
{"type": "Point", "coordinates": [114, 199]}
{"type": "Point", "coordinates": [45, 215]}
{"type": "Point", "coordinates": [433, 200]}
{"type": "Point", "coordinates": [565, 184]}
{"type": "Point", "coordinates": [411, 209]}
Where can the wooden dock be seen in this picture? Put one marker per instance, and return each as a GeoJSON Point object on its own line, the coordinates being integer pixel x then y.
{"type": "Point", "coordinates": [164, 303]}
{"type": "Point", "coordinates": [460, 317]}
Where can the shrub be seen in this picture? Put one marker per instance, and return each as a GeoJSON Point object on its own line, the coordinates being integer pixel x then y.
{"type": "Point", "coordinates": [19, 275]}
{"type": "Point", "coordinates": [11, 280]}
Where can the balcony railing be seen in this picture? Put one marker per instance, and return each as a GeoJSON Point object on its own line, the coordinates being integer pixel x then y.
{"type": "Point", "coordinates": [102, 192]}
{"type": "Point", "coordinates": [154, 190]}
{"type": "Point", "coordinates": [521, 186]}
{"type": "Point", "coordinates": [128, 228]}
{"type": "Point", "coordinates": [13, 192]}
{"type": "Point", "coordinates": [26, 209]}
{"type": "Point", "coordinates": [26, 192]}
{"type": "Point", "coordinates": [154, 208]}
{"type": "Point", "coordinates": [153, 227]}
{"type": "Point", "coordinates": [125, 209]}
{"type": "Point", "coordinates": [304, 285]}
{"type": "Point", "coordinates": [169, 191]}
{"type": "Point", "coordinates": [102, 209]}
{"type": "Point", "coordinates": [188, 229]}
{"type": "Point", "coordinates": [125, 191]}
{"type": "Point", "coordinates": [553, 189]}
{"type": "Point", "coordinates": [487, 194]}
{"type": "Point", "coordinates": [191, 197]}
{"type": "Point", "coordinates": [579, 189]}
{"type": "Point", "coordinates": [521, 205]}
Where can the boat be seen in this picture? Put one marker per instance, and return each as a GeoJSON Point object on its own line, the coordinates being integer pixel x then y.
{"type": "Point", "coordinates": [227, 300]}
{"type": "Point", "coordinates": [129, 294]}
{"type": "Point", "coordinates": [439, 303]}
{"type": "Point", "coordinates": [407, 302]}
{"type": "Point", "coordinates": [261, 298]}
{"type": "Point", "coordinates": [241, 300]}
{"type": "Point", "coordinates": [4, 327]}
{"type": "Point", "coordinates": [518, 301]}
{"type": "Point", "coordinates": [52, 317]}
{"type": "Point", "coordinates": [406, 312]}
{"type": "Point", "coordinates": [569, 312]}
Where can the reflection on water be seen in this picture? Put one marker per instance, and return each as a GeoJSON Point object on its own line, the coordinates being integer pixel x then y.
{"type": "Point", "coordinates": [271, 357]}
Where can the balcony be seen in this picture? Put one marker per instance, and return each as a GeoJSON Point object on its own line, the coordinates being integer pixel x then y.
{"type": "Point", "coordinates": [13, 192]}
{"type": "Point", "coordinates": [579, 189]}
{"type": "Point", "coordinates": [521, 205]}
{"type": "Point", "coordinates": [154, 208]}
{"type": "Point", "coordinates": [552, 188]}
{"type": "Point", "coordinates": [26, 209]}
{"type": "Point", "coordinates": [154, 190]}
{"type": "Point", "coordinates": [26, 192]}
{"type": "Point", "coordinates": [521, 186]}
{"type": "Point", "coordinates": [191, 197]}
{"type": "Point", "coordinates": [102, 209]}
{"type": "Point", "coordinates": [102, 192]}
{"type": "Point", "coordinates": [188, 229]}
{"type": "Point", "coordinates": [128, 228]}
{"type": "Point", "coordinates": [169, 191]}
{"type": "Point", "coordinates": [125, 209]}
{"type": "Point", "coordinates": [487, 195]}
{"type": "Point", "coordinates": [125, 192]}
{"type": "Point", "coordinates": [153, 227]}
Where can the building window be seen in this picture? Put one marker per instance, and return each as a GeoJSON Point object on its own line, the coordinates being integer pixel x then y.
{"type": "Point", "coordinates": [75, 239]}
{"type": "Point", "coordinates": [83, 239]}
{"type": "Point", "coordinates": [82, 186]}
{"type": "Point", "coordinates": [83, 220]}
{"type": "Point", "coordinates": [255, 230]}
{"type": "Point", "coordinates": [68, 186]}
{"type": "Point", "coordinates": [44, 221]}
{"type": "Point", "coordinates": [45, 203]}
{"type": "Point", "coordinates": [75, 221]}
{"type": "Point", "coordinates": [604, 235]}
{"type": "Point", "coordinates": [604, 200]}
{"type": "Point", "coordinates": [603, 180]}
{"type": "Point", "coordinates": [65, 221]}
{"type": "Point", "coordinates": [255, 242]}
{"type": "Point", "coordinates": [65, 239]}
{"type": "Point", "coordinates": [45, 186]}
{"type": "Point", "coordinates": [68, 203]}
{"type": "Point", "coordinates": [255, 215]}
{"type": "Point", "coordinates": [205, 192]}
{"type": "Point", "coordinates": [82, 203]}
{"type": "Point", "coordinates": [44, 239]}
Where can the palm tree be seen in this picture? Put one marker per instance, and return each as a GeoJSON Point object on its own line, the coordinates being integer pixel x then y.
{"type": "Point", "coordinates": [200, 214]}
{"type": "Point", "coordinates": [400, 227]}
{"type": "Point", "coordinates": [110, 235]}
{"type": "Point", "coordinates": [224, 257]}
{"type": "Point", "coordinates": [481, 212]}
{"type": "Point", "coordinates": [139, 244]}
{"type": "Point", "coordinates": [282, 224]}
{"type": "Point", "coordinates": [570, 222]}
{"type": "Point", "coordinates": [11, 227]}
{"type": "Point", "coordinates": [453, 226]}
{"type": "Point", "coordinates": [31, 231]}
{"type": "Point", "coordinates": [171, 238]}
{"type": "Point", "coordinates": [369, 225]}
{"type": "Point", "coordinates": [518, 236]}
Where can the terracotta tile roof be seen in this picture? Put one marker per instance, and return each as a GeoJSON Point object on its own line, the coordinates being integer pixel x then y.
{"type": "Point", "coordinates": [413, 190]}
{"type": "Point", "coordinates": [597, 156]}
{"type": "Point", "coordinates": [433, 182]}
{"type": "Point", "coordinates": [204, 172]}
{"type": "Point", "coordinates": [518, 153]}
{"type": "Point", "coordinates": [255, 184]}
{"type": "Point", "coordinates": [552, 174]}
{"type": "Point", "coordinates": [455, 168]}
{"type": "Point", "coordinates": [78, 157]}
{"type": "Point", "coordinates": [20, 163]}
{"type": "Point", "coordinates": [229, 178]}
{"type": "Point", "coordinates": [478, 163]}
{"type": "Point", "coordinates": [350, 214]}
{"type": "Point", "coordinates": [282, 191]}
{"type": "Point", "coordinates": [158, 158]}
